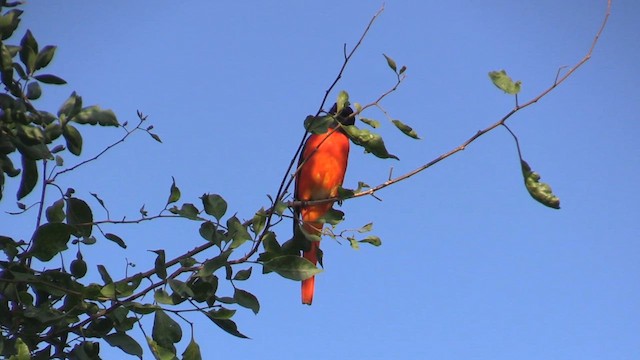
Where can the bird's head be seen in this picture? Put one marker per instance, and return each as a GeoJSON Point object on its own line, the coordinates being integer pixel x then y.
{"type": "Point", "coordinates": [343, 118]}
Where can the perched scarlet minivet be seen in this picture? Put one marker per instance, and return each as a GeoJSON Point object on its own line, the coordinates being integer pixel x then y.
{"type": "Point", "coordinates": [322, 165]}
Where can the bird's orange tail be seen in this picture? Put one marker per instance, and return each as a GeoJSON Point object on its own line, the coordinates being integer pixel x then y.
{"type": "Point", "coordinates": [308, 285]}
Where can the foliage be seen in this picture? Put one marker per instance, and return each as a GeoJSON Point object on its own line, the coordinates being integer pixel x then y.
{"type": "Point", "coordinates": [48, 310]}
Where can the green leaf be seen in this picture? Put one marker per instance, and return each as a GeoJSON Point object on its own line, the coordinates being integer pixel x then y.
{"type": "Point", "coordinates": [49, 240]}
{"type": "Point", "coordinates": [6, 62]}
{"type": "Point", "coordinates": [166, 331]}
{"type": "Point", "coordinates": [280, 208]}
{"type": "Point", "coordinates": [292, 267]}
{"type": "Point", "coordinates": [373, 123]}
{"type": "Point", "coordinates": [142, 309]}
{"type": "Point", "coordinates": [20, 70]}
{"type": "Point", "coordinates": [342, 102]}
{"type": "Point", "coordinates": [116, 239]}
{"type": "Point", "coordinates": [187, 261]}
{"type": "Point", "coordinates": [9, 23]}
{"type": "Point", "coordinates": [243, 274]}
{"type": "Point", "coordinates": [71, 106]}
{"type": "Point", "coordinates": [31, 135]}
{"type": "Point", "coordinates": [104, 274]}
{"type": "Point", "coordinates": [366, 228]}
{"type": "Point", "coordinates": [259, 221]}
{"type": "Point", "coordinates": [372, 143]}
{"type": "Point", "coordinates": [333, 217]}
{"type": "Point", "coordinates": [36, 152]}
{"type": "Point", "coordinates": [406, 129]}
{"type": "Point", "coordinates": [55, 212]}
{"type": "Point", "coordinates": [125, 343]}
{"type": "Point", "coordinates": [174, 192]}
{"type": "Point", "coordinates": [79, 216]}
{"type": "Point", "coordinates": [143, 212]}
{"type": "Point", "coordinates": [318, 124]}
{"type": "Point", "coordinates": [99, 327]}
{"type": "Point", "coordinates": [6, 164]}
{"type": "Point", "coordinates": [73, 138]}
{"type": "Point", "coordinates": [28, 51]}
{"type": "Point", "coordinates": [22, 351]}
{"type": "Point", "coordinates": [208, 231]}
{"type": "Point", "coordinates": [270, 243]}
{"type": "Point", "coordinates": [504, 82]}
{"type": "Point", "coordinates": [128, 286]}
{"type": "Point", "coordinates": [213, 264]}
{"type": "Point", "coordinates": [214, 205]}
{"type": "Point", "coordinates": [373, 240]}
{"type": "Point", "coordinates": [229, 326]}
{"type": "Point", "coordinates": [90, 240]}
{"type": "Point", "coordinates": [162, 297]}
{"type": "Point", "coordinates": [192, 352]}
{"type": "Point", "coordinates": [221, 313]}
{"type": "Point", "coordinates": [29, 177]}
{"type": "Point", "coordinates": [155, 137]}
{"type": "Point", "coordinates": [391, 63]}
{"type": "Point", "coordinates": [187, 210]}
{"type": "Point", "coordinates": [159, 352]}
{"type": "Point", "coordinates": [95, 115]}
{"type": "Point", "coordinates": [50, 79]}
{"type": "Point", "coordinates": [237, 232]}
{"type": "Point", "coordinates": [540, 191]}
{"type": "Point", "coordinates": [247, 300]}
{"type": "Point", "coordinates": [180, 288]}
{"type": "Point", "coordinates": [354, 243]}
{"type": "Point", "coordinates": [160, 265]}
{"type": "Point", "coordinates": [6, 65]}
{"type": "Point", "coordinates": [203, 288]}
{"type": "Point", "coordinates": [10, 248]}
{"type": "Point", "coordinates": [52, 132]}
{"type": "Point", "coordinates": [33, 90]}
{"type": "Point", "coordinates": [86, 350]}
{"type": "Point", "coordinates": [45, 56]}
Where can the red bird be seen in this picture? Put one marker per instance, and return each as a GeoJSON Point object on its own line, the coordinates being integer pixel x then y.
{"type": "Point", "coordinates": [322, 165]}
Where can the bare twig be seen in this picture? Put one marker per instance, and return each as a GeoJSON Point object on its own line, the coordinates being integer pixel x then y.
{"type": "Point", "coordinates": [95, 157]}
{"type": "Point", "coordinates": [348, 57]}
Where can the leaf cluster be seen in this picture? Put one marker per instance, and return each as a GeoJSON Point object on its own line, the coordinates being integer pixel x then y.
{"type": "Point", "coordinates": [35, 135]}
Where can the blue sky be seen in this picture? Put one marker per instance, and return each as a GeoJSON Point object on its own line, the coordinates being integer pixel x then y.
{"type": "Point", "coordinates": [470, 266]}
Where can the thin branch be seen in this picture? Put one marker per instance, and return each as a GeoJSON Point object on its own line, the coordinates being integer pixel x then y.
{"type": "Point", "coordinates": [348, 57]}
{"type": "Point", "coordinates": [515, 138]}
{"type": "Point", "coordinates": [489, 128]}
{"type": "Point", "coordinates": [97, 156]}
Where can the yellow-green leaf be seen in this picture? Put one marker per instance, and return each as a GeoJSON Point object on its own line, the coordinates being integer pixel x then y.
{"type": "Point", "coordinates": [540, 191]}
{"type": "Point", "coordinates": [391, 63]}
{"type": "Point", "coordinates": [342, 102]}
{"type": "Point", "coordinates": [504, 82]}
{"type": "Point", "coordinates": [292, 267]}
{"type": "Point", "coordinates": [371, 142]}
{"type": "Point", "coordinates": [192, 352]}
{"type": "Point", "coordinates": [406, 129]}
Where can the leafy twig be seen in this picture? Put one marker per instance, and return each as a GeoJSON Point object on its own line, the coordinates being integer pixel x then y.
{"type": "Point", "coordinates": [97, 156]}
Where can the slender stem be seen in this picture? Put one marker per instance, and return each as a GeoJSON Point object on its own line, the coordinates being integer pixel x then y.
{"type": "Point", "coordinates": [95, 157]}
